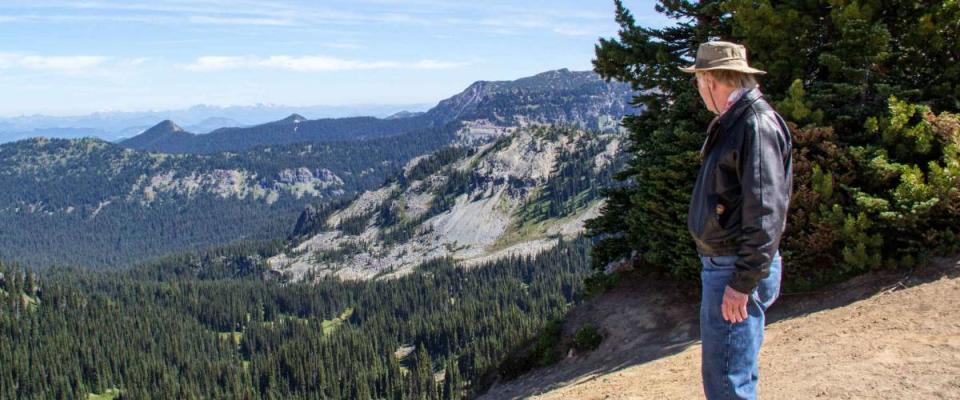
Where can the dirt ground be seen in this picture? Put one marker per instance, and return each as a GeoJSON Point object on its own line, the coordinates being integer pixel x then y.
{"type": "Point", "coordinates": [893, 335]}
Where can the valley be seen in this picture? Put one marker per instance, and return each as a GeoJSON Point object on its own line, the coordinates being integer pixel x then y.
{"type": "Point", "coordinates": [88, 202]}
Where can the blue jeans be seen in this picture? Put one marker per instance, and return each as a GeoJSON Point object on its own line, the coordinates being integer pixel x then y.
{"type": "Point", "coordinates": [730, 350]}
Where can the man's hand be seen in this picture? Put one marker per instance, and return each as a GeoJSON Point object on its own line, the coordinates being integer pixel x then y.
{"type": "Point", "coordinates": [734, 307]}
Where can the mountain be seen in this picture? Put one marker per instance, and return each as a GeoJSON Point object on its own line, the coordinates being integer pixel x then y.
{"type": "Point", "coordinates": [95, 203]}
{"type": "Point", "coordinates": [561, 96]}
{"type": "Point", "coordinates": [290, 130]}
{"type": "Point", "coordinates": [574, 97]}
{"type": "Point", "coordinates": [162, 134]}
{"type": "Point", "coordinates": [473, 203]}
{"type": "Point", "coordinates": [403, 114]}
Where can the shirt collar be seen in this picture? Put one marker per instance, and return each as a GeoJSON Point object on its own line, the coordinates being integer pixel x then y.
{"type": "Point", "coordinates": [734, 96]}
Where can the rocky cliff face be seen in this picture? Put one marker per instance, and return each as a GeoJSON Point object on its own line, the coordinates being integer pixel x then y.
{"type": "Point", "coordinates": [579, 98]}
{"type": "Point", "coordinates": [236, 183]}
{"type": "Point", "coordinates": [493, 200]}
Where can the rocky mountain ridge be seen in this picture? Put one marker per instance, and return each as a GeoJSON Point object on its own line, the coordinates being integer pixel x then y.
{"type": "Point", "coordinates": [509, 197]}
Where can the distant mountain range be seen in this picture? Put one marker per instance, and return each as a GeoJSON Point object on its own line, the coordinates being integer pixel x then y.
{"type": "Point", "coordinates": [116, 125]}
{"type": "Point", "coordinates": [561, 96]}
{"type": "Point", "coordinates": [168, 137]}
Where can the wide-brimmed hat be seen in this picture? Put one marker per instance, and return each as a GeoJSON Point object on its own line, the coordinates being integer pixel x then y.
{"type": "Point", "coordinates": [721, 55]}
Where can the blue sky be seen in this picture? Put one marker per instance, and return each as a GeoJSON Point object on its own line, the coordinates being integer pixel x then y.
{"type": "Point", "coordinates": [76, 56]}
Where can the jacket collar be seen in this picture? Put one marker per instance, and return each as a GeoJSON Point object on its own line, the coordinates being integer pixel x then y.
{"type": "Point", "coordinates": [725, 120]}
{"type": "Point", "coordinates": [735, 110]}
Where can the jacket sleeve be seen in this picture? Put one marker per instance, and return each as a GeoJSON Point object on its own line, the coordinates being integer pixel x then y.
{"type": "Point", "coordinates": [763, 181]}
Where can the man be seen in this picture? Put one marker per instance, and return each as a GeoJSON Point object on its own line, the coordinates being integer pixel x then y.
{"type": "Point", "coordinates": [737, 214]}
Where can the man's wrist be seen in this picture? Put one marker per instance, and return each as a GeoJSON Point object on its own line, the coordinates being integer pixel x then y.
{"type": "Point", "coordinates": [742, 285]}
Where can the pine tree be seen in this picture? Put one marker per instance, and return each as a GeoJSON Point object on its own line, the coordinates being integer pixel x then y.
{"type": "Point", "coordinates": [650, 213]}
{"type": "Point", "coordinates": [870, 89]}
{"type": "Point", "coordinates": [452, 385]}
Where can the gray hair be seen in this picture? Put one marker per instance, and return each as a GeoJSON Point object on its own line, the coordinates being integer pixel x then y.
{"type": "Point", "coordinates": [735, 79]}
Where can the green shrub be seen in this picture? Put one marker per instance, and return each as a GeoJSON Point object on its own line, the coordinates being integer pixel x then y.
{"type": "Point", "coordinates": [892, 202]}
{"type": "Point", "coordinates": [599, 283]}
{"type": "Point", "coordinates": [546, 350]}
{"type": "Point", "coordinates": [542, 352]}
{"type": "Point", "coordinates": [587, 338]}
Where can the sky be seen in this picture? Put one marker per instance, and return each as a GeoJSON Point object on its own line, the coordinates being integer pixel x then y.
{"type": "Point", "coordinates": [74, 57]}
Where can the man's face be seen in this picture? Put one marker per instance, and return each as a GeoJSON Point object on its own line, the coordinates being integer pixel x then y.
{"type": "Point", "coordinates": [704, 83]}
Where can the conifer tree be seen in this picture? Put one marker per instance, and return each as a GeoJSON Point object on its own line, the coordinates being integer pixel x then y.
{"type": "Point", "coordinates": [870, 89]}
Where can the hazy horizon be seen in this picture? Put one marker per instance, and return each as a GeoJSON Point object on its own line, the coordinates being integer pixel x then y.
{"type": "Point", "coordinates": [414, 107]}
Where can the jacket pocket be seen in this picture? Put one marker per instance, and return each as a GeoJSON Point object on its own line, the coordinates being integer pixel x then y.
{"type": "Point", "coordinates": [723, 210]}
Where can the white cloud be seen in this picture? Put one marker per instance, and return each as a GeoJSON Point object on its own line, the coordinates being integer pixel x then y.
{"type": "Point", "coordinates": [215, 63]}
{"type": "Point", "coordinates": [132, 62]}
{"type": "Point", "coordinates": [309, 63]}
{"type": "Point", "coordinates": [51, 63]}
{"type": "Point", "coordinates": [71, 65]}
{"type": "Point", "coordinates": [319, 63]}
{"type": "Point", "coordinates": [64, 63]}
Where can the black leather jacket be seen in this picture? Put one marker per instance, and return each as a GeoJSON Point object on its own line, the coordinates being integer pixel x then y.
{"type": "Point", "coordinates": [739, 203]}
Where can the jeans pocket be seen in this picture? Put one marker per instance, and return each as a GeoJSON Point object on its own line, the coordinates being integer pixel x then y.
{"type": "Point", "coordinates": [723, 261]}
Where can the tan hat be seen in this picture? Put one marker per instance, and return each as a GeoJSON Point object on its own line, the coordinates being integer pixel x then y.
{"type": "Point", "coordinates": [721, 55]}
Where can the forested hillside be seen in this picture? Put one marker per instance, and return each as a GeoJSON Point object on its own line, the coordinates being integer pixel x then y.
{"type": "Point", "coordinates": [216, 330]}
{"type": "Point", "coordinates": [96, 204]}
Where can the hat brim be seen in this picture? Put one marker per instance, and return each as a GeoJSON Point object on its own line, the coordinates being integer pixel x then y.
{"type": "Point", "coordinates": [747, 70]}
